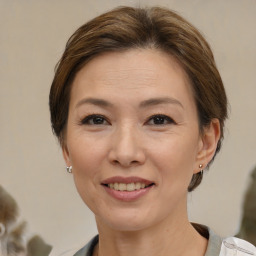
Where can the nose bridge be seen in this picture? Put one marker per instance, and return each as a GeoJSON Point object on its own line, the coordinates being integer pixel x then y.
{"type": "Point", "coordinates": [127, 134]}
{"type": "Point", "coordinates": [126, 145]}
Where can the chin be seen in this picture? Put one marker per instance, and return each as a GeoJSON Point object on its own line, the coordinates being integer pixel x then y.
{"type": "Point", "coordinates": [127, 221]}
{"type": "Point", "coordinates": [125, 226]}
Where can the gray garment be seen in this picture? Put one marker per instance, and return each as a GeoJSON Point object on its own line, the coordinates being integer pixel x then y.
{"type": "Point", "coordinates": [214, 244]}
{"type": "Point", "coordinates": [213, 248]}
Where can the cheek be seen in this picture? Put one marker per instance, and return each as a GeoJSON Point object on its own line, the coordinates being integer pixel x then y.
{"type": "Point", "coordinates": [87, 162]}
{"type": "Point", "coordinates": [85, 154]}
{"type": "Point", "coordinates": [86, 158]}
{"type": "Point", "coordinates": [175, 159]}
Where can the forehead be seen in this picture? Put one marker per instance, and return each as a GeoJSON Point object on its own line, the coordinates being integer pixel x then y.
{"type": "Point", "coordinates": [136, 72]}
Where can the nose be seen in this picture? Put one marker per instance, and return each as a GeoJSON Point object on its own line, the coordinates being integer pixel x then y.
{"type": "Point", "coordinates": [127, 147]}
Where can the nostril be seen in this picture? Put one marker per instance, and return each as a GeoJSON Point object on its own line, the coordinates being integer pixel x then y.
{"type": "Point", "coordinates": [115, 162]}
{"type": "Point", "coordinates": [125, 163]}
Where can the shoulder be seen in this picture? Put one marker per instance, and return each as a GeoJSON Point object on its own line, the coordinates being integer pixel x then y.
{"type": "Point", "coordinates": [218, 246]}
{"type": "Point", "coordinates": [87, 250]}
{"type": "Point", "coordinates": [237, 246]}
{"type": "Point", "coordinates": [214, 243]}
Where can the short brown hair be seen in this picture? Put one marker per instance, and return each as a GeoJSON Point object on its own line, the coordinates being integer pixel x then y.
{"type": "Point", "coordinates": [158, 28]}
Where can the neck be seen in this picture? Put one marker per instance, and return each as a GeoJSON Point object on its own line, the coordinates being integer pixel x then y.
{"type": "Point", "coordinates": [177, 237]}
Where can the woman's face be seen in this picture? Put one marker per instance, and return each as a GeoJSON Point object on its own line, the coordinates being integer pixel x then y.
{"type": "Point", "coordinates": [133, 138]}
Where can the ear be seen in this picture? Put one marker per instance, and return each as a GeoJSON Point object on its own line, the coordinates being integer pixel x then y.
{"type": "Point", "coordinates": [207, 144]}
{"type": "Point", "coordinates": [65, 153]}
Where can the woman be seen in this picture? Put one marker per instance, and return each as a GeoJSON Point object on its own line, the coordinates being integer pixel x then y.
{"type": "Point", "coordinates": [138, 106]}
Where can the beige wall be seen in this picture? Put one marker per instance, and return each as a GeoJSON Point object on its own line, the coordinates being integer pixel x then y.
{"type": "Point", "coordinates": [32, 37]}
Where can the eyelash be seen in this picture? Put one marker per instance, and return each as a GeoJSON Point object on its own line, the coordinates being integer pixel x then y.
{"type": "Point", "coordinates": [93, 117]}
{"type": "Point", "coordinates": [87, 119]}
{"type": "Point", "coordinates": [163, 117]}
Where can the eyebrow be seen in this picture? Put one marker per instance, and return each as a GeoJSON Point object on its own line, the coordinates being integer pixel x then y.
{"type": "Point", "coordinates": [94, 101]}
{"type": "Point", "coordinates": [158, 101]}
{"type": "Point", "coordinates": [143, 104]}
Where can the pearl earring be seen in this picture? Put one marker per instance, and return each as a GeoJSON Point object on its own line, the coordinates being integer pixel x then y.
{"type": "Point", "coordinates": [69, 169]}
{"type": "Point", "coordinates": [201, 169]}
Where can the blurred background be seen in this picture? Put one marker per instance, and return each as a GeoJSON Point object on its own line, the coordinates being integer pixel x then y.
{"type": "Point", "coordinates": [32, 38]}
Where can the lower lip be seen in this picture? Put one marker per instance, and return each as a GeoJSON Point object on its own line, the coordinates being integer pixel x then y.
{"type": "Point", "coordinates": [127, 196]}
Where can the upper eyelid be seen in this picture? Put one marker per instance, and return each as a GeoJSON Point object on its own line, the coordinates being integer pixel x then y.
{"type": "Point", "coordinates": [161, 115]}
{"type": "Point", "coordinates": [90, 116]}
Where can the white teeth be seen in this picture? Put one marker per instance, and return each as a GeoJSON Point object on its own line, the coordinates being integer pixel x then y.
{"type": "Point", "coordinates": [116, 186]}
{"type": "Point", "coordinates": [126, 187]}
{"type": "Point", "coordinates": [130, 187]}
{"type": "Point", "coordinates": [122, 187]}
{"type": "Point", "coordinates": [138, 185]}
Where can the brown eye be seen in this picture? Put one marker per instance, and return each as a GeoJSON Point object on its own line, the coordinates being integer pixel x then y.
{"type": "Point", "coordinates": [95, 120]}
{"type": "Point", "coordinates": [160, 120]}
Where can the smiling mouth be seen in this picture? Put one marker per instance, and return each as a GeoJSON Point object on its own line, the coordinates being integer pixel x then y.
{"type": "Point", "coordinates": [128, 187]}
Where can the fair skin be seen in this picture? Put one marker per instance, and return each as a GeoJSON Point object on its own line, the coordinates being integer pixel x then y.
{"type": "Point", "coordinates": [132, 118]}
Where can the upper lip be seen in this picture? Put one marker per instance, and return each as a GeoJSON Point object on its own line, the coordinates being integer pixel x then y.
{"type": "Point", "coordinates": [126, 180]}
